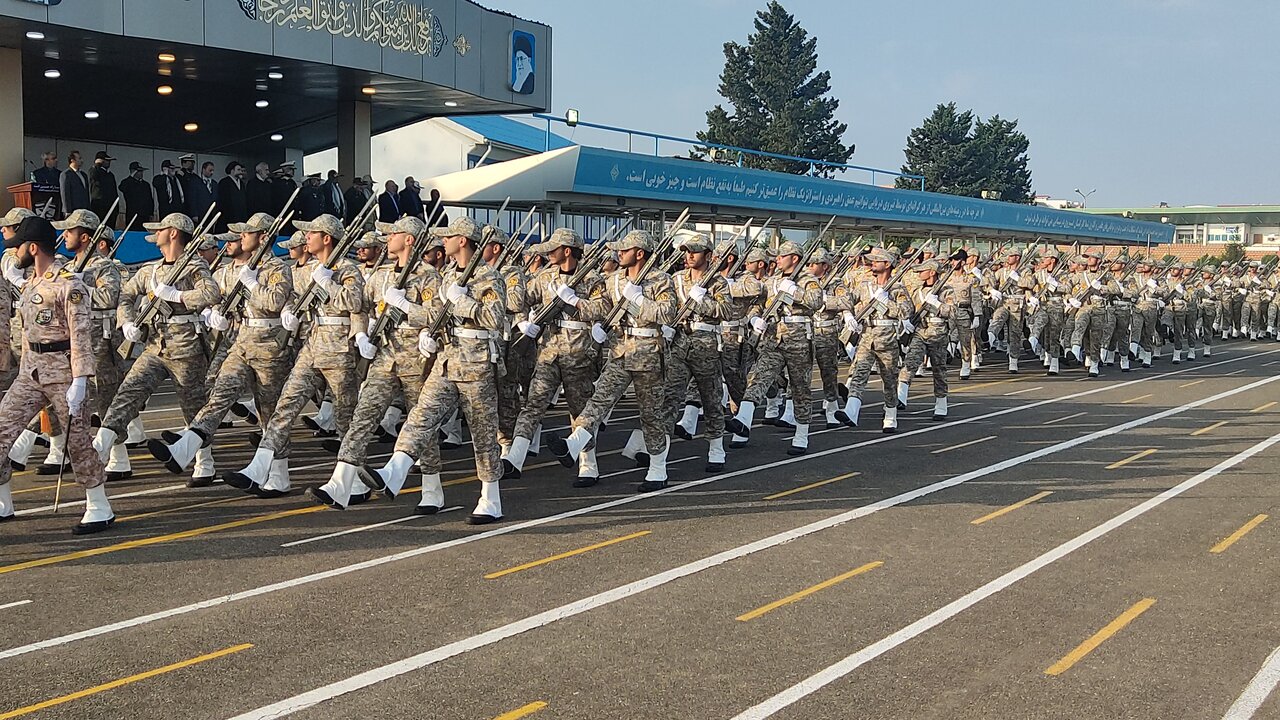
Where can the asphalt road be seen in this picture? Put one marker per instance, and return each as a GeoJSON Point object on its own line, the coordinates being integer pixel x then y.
{"type": "Point", "coordinates": [1059, 548]}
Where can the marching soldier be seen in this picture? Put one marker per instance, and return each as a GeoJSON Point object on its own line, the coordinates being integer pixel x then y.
{"type": "Point", "coordinates": [929, 340]}
{"type": "Point", "coordinates": [255, 362]}
{"type": "Point", "coordinates": [566, 347]}
{"type": "Point", "coordinates": [325, 360]}
{"type": "Point", "coordinates": [173, 344]}
{"type": "Point", "coordinates": [638, 358]}
{"type": "Point", "coordinates": [1148, 297]}
{"type": "Point", "coordinates": [513, 384]}
{"type": "Point", "coordinates": [1115, 341]}
{"type": "Point", "coordinates": [966, 288]}
{"type": "Point", "coordinates": [1251, 316]}
{"type": "Point", "coordinates": [1174, 317]}
{"type": "Point", "coordinates": [826, 341]}
{"type": "Point", "coordinates": [1091, 329]}
{"type": "Point", "coordinates": [746, 293]}
{"type": "Point", "coordinates": [1010, 314]}
{"type": "Point", "coordinates": [888, 306]}
{"type": "Point", "coordinates": [397, 369]}
{"type": "Point", "coordinates": [465, 374]}
{"type": "Point", "coordinates": [57, 362]}
{"type": "Point", "coordinates": [786, 343]}
{"type": "Point", "coordinates": [1207, 301]}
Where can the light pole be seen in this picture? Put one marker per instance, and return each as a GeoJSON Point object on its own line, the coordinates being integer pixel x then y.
{"type": "Point", "coordinates": [1084, 196]}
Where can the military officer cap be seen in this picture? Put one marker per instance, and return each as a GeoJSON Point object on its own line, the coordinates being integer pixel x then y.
{"type": "Point", "coordinates": [408, 224]}
{"type": "Point", "coordinates": [188, 156]}
{"type": "Point", "coordinates": [562, 237]}
{"type": "Point", "coordinates": [926, 266]}
{"type": "Point", "coordinates": [34, 229]}
{"type": "Point", "coordinates": [296, 239]}
{"type": "Point", "coordinates": [960, 255]}
{"type": "Point", "coordinates": [757, 255]}
{"type": "Point", "coordinates": [727, 248]}
{"type": "Point", "coordinates": [494, 234]}
{"type": "Point", "coordinates": [820, 257]}
{"type": "Point", "coordinates": [789, 248]}
{"type": "Point", "coordinates": [696, 242]}
{"type": "Point", "coordinates": [880, 255]}
{"type": "Point", "coordinates": [15, 216]}
{"type": "Point", "coordinates": [78, 219]}
{"type": "Point", "coordinates": [636, 239]}
{"type": "Point", "coordinates": [259, 222]}
{"type": "Point", "coordinates": [461, 227]}
{"type": "Point", "coordinates": [327, 224]}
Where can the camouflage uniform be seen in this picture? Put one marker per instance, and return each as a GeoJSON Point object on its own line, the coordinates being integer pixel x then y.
{"type": "Point", "coordinates": [929, 340]}
{"type": "Point", "coordinates": [745, 293]}
{"type": "Point", "coordinates": [1116, 343]}
{"type": "Point", "coordinates": [878, 342]}
{"type": "Point", "coordinates": [967, 290]}
{"type": "Point", "coordinates": [1091, 329]}
{"type": "Point", "coordinates": [1147, 296]}
{"type": "Point", "coordinates": [1174, 317]}
{"type": "Point", "coordinates": [1209, 304]}
{"type": "Point", "coordinates": [827, 347]}
{"type": "Point", "coordinates": [174, 346]}
{"type": "Point", "coordinates": [1251, 315]}
{"type": "Point", "coordinates": [515, 377]}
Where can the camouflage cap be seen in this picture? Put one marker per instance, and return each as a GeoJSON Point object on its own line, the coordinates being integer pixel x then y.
{"type": "Point", "coordinates": [494, 234]}
{"type": "Point", "coordinates": [790, 248]}
{"type": "Point", "coordinates": [293, 241]}
{"type": "Point", "coordinates": [177, 221]}
{"type": "Point", "coordinates": [1077, 260]}
{"type": "Point", "coordinates": [757, 255]}
{"type": "Point", "coordinates": [1255, 265]}
{"type": "Point", "coordinates": [1095, 254]}
{"type": "Point", "coordinates": [1013, 252]}
{"type": "Point", "coordinates": [258, 222]}
{"type": "Point", "coordinates": [636, 239]}
{"type": "Point", "coordinates": [327, 224]}
{"type": "Point", "coordinates": [408, 224]}
{"type": "Point", "coordinates": [696, 242]}
{"type": "Point", "coordinates": [209, 241]}
{"type": "Point", "coordinates": [77, 219]}
{"type": "Point", "coordinates": [369, 240]}
{"type": "Point", "coordinates": [463, 227]}
{"type": "Point", "coordinates": [927, 266]}
{"type": "Point", "coordinates": [880, 255]}
{"type": "Point", "coordinates": [15, 216]}
{"type": "Point", "coordinates": [821, 256]}
{"type": "Point", "coordinates": [727, 248]}
{"type": "Point", "coordinates": [562, 237]}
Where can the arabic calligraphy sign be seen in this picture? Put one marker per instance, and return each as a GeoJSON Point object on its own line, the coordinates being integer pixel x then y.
{"type": "Point", "coordinates": [404, 25]}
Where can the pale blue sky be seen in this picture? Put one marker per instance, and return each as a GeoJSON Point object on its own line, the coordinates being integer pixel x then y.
{"type": "Point", "coordinates": [1145, 100]}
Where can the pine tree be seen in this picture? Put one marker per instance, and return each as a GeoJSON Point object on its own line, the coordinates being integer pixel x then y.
{"type": "Point", "coordinates": [779, 102]}
{"type": "Point", "coordinates": [959, 154]}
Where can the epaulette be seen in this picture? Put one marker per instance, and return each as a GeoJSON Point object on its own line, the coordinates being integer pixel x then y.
{"type": "Point", "coordinates": [66, 274]}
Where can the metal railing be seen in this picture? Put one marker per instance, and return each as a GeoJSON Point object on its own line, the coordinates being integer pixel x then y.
{"type": "Point", "coordinates": [740, 152]}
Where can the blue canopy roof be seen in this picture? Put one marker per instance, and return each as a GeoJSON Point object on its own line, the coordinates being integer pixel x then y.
{"type": "Point", "coordinates": [506, 131]}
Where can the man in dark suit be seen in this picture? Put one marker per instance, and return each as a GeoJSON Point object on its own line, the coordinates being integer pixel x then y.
{"type": "Point", "coordinates": [170, 194]}
{"type": "Point", "coordinates": [232, 201]}
{"type": "Point", "coordinates": [389, 203]}
{"type": "Point", "coordinates": [188, 178]}
{"type": "Point", "coordinates": [311, 202]}
{"type": "Point", "coordinates": [202, 192]}
{"type": "Point", "coordinates": [439, 218]}
{"type": "Point", "coordinates": [103, 189]}
{"type": "Point", "coordinates": [356, 196]}
{"type": "Point", "coordinates": [139, 196]}
{"type": "Point", "coordinates": [73, 186]}
{"type": "Point", "coordinates": [411, 198]}
{"type": "Point", "coordinates": [282, 186]}
{"type": "Point", "coordinates": [258, 191]}
{"type": "Point", "coordinates": [45, 184]}
{"type": "Point", "coordinates": [334, 203]}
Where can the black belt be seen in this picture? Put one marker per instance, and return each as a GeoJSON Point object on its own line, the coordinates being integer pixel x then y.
{"type": "Point", "coordinates": [57, 346]}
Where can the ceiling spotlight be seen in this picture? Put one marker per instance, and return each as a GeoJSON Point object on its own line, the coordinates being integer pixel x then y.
{"type": "Point", "coordinates": [91, 115]}
{"type": "Point", "coordinates": [35, 35]}
{"type": "Point", "coordinates": [165, 89]}
{"type": "Point", "coordinates": [191, 127]}
{"type": "Point", "coordinates": [261, 86]}
{"type": "Point", "coordinates": [166, 57]}
{"type": "Point", "coordinates": [261, 103]}
{"type": "Point", "coordinates": [450, 103]}
{"type": "Point", "coordinates": [368, 90]}
{"type": "Point", "coordinates": [275, 75]}
{"type": "Point", "coordinates": [276, 137]}
{"type": "Point", "coordinates": [52, 74]}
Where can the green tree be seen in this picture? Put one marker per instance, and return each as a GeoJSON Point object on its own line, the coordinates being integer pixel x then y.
{"type": "Point", "coordinates": [779, 101]}
{"type": "Point", "coordinates": [1233, 253]}
{"type": "Point", "coordinates": [959, 154]}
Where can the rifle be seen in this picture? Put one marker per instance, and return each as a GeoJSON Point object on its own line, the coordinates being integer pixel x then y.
{"type": "Point", "coordinates": [713, 272]}
{"type": "Point", "coordinates": [157, 306]}
{"type": "Point", "coordinates": [82, 262]}
{"type": "Point", "coordinates": [306, 303]}
{"type": "Point", "coordinates": [857, 320]}
{"type": "Point", "coordinates": [437, 324]}
{"type": "Point", "coordinates": [649, 262]}
{"type": "Point", "coordinates": [776, 301]}
{"type": "Point", "coordinates": [232, 303]}
{"type": "Point", "coordinates": [516, 247]}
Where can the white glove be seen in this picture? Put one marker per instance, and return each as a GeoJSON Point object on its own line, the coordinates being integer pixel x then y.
{"type": "Point", "coordinates": [932, 300]}
{"type": "Point", "coordinates": [881, 296]}
{"type": "Point", "coordinates": [248, 277]}
{"type": "Point", "coordinates": [427, 345]}
{"type": "Point", "coordinates": [1013, 275]}
{"type": "Point", "coordinates": [1074, 303]}
{"type": "Point", "coordinates": [787, 287]}
{"type": "Point", "coordinates": [1151, 283]}
{"type": "Point", "coordinates": [453, 293]}
{"type": "Point", "coordinates": [758, 324]}
{"type": "Point", "coordinates": [1095, 285]}
{"type": "Point", "coordinates": [322, 275]}
{"type": "Point", "coordinates": [365, 346]}
{"type": "Point", "coordinates": [76, 394]}
{"type": "Point", "coordinates": [168, 293]}
{"type": "Point", "coordinates": [289, 320]}
{"type": "Point", "coordinates": [530, 329]}
{"type": "Point", "coordinates": [395, 297]}
{"type": "Point", "coordinates": [204, 315]}
{"type": "Point", "coordinates": [1179, 289]}
{"type": "Point", "coordinates": [15, 277]}
{"type": "Point", "coordinates": [567, 295]}
{"type": "Point", "coordinates": [598, 334]}
{"type": "Point", "coordinates": [1215, 326]}
{"type": "Point", "coordinates": [977, 322]}
{"type": "Point", "coordinates": [131, 332]}
{"type": "Point", "coordinates": [668, 333]}
{"type": "Point", "coordinates": [1033, 301]}
{"type": "Point", "coordinates": [633, 293]}
{"type": "Point", "coordinates": [849, 319]}
{"type": "Point", "coordinates": [995, 294]}
{"type": "Point", "coordinates": [907, 326]}
{"type": "Point", "coordinates": [1242, 291]}
{"type": "Point", "coordinates": [1035, 344]}
{"type": "Point", "coordinates": [1053, 284]}
{"type": "Point", "coordinates": [697, 293]}
{"type": "Point", "coordinates": [217, 321]}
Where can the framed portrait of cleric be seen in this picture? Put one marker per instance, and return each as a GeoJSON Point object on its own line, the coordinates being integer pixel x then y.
{"type": "Point", "coordinates": [523, 62]}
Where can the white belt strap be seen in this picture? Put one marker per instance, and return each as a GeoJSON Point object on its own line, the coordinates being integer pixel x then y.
{"type": "Point", "coordinates": [703, 327]}
{"type": "Point", "coordinates": [642, 332]}
{"type": "Point", "coordinates": [262, 322]}
{"type": "Point", "coordinates": [333, 320]}
{"type": "Point", "coordinates": [884, 323]}
{"type": "Point", "coordinates": [181, 319]}
{"type": "Point", "coordinates": [796, 319]}
{"type": "Point", "coordinates": [823, 324]}
{"type": "Point", "coordinates": [730, 324]}
{"type": "Point", "coordinates": [573, 325]}
{"type": "Point", "coordinates": [472, 334]}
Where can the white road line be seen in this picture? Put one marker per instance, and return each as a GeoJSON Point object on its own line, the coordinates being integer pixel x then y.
{"type": "Point", "coordinates": [417, 662]}
{"type": "Point", "coordinates": [545, 520]}
{"type": "Point", "coordinates": [1258, 689]}
{"type": "Point", "coordinates": [1019, 392]}
{"type": "Point", "coordinates": [121, 496]}
{"type": "Point", "coordinates": [6, 606]}
{"type": "Point", "coordinates": [834, 672]}
{"type": "Point", "coordinates": [1234, 372]}
{"type": "Point", "coordinates": [939, 451]}
{"type": "Point", "coordinates": [1058, 420]}
{"type": "Point", "coordinates": [363, 528]}
{"type": "Point", "coordinates": [1269, 364]}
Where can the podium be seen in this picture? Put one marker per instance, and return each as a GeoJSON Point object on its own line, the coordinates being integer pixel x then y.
{"type": "Point", "coordinates": [26, 196]}
{"type": "Point", "coordinates": [21, 195]}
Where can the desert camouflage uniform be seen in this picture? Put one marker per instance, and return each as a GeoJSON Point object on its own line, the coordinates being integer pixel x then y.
{"type": "Point", "coordinates": [514, 383]}
{"type": "Point", "coordinates": [967, 291]}
{"type": "Point", "coordinates": [1251, 315]}
{"type": "Point", "coordinates": [103, 280]}
{"type": "Point", "coordinates": [1145, 312]}
{"type": "Point", "coordinates": [694, 354]}
{"type": "Point", "coordinates": [1121, 324]}
{"type": "Point", "coordinates": [929, 341]}
{"type": "Point", "coordinates": [746, 293]}
{"type": "Point", "coordinates": [1091, 328]}
{"type": "Point", "coordinates": [879, 340]}
{"type": "Point", "coordinates": [1174, 317]}
{"type": "Point", "coordinates": [787, 344]}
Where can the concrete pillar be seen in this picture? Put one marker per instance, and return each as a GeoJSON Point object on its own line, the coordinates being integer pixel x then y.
{"type": "Point", "coordinates": [12, 167]}
{"type": "Point", "coordinates": [354, 139]}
